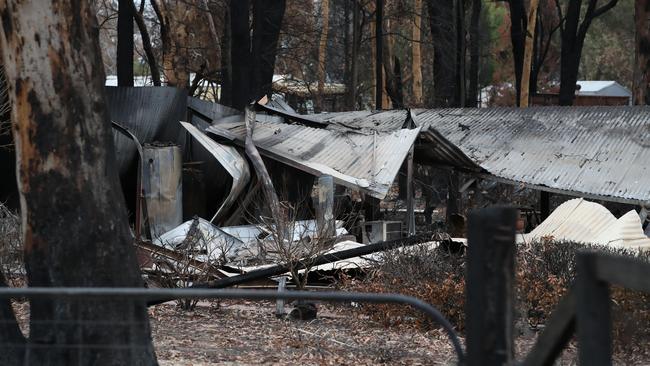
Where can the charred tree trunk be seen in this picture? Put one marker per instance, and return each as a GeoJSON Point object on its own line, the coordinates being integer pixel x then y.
{"type": "Point", "coordinates": [175, 19]}
{"type": "Point", "coordinates": [379, 54]}
{"type": "Point", "coordinates": [573, 38]}
{"type": "Point", "coordinates": [226, 61]}
{"type": "Point", "coordinates": [518, 25]}
{"type": "Point", "coordinates": [125, 43]}
{"type": "Point", "coordinates": [146, 44]}
{"type": "Point", "coordinates": [416, 64]}
{"type": "Point", "coordinates": [474, 54]}
{"type": "Point", "coordinates": [642, 54]}
{"type": "Point", "coordinates": [240, 52]}
{"type": "Point", "coordinates": [354, 57]}
{"type": "Point", "coordinates": [75, 224]}
{"type": "Point", "coordinates": [443, 32]}
{"type": "Point", "coordinates": [267, 20]}
{"type": "Point", "coordinates": [322, 54]}
{"type": "Point", "coordinates": [459, 9]}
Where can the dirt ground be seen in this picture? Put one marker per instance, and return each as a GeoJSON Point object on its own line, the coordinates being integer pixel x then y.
{"type": "Point", "coordinates": [248, 333]}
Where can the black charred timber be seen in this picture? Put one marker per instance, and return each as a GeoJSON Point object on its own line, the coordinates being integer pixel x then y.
{"type": "Point", "coordinates": [594, 325]}
{"type": "Point", "coordinates": [490, 286]}
{"type": "Point", "coordinates": [544, 204]}
{"type": "Point", "coordinates": [322, 259]}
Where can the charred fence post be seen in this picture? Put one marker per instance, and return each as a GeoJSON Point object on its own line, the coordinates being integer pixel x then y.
{"type": "Point", "coordinates": [594, 325]}
{"type": "Point", "coordinates": [491, 286]}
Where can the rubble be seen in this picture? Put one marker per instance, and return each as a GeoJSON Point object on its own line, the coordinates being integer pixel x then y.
{"type": "Point", "coordinates": [363, 151]}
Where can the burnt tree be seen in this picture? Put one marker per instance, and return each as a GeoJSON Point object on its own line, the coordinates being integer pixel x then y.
{"type": "Point", "coordinates": [642, 52]}
{"type": "Point", "coordinates": [443, 33]}
{"type": "Point", "coordinates": [125, 43]}
{"type": "Point", "coordinates": [474, 55]}
{"type": "Point", "coordinates": [573, 33]}
{"type": "Point", "coordinates": [75, 224]}
{"type": "Point", "coordinates": [146, 42]}
{"type": "Point", "coordinates": [518, 25]}
{"type": "Point", "coordinates": [253, 58]}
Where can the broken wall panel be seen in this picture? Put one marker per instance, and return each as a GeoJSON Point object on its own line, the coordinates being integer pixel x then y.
{"type": "Point", "coordinates": [230, 160]}
{"type": "Point", "coordinates": [150, 113]}
{"type": "Point", "coordinates": [162, 173]}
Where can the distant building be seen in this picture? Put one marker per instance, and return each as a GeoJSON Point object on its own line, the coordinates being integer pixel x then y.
{"type": "Point", "coordinates": [591, 93]}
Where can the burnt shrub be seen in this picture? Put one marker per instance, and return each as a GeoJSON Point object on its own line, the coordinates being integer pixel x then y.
{"type": "Point", "coordinates": [545, 270]}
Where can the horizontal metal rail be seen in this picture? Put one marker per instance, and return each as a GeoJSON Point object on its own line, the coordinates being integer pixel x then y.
{"type": "Point", "coordinates": [196, 293]}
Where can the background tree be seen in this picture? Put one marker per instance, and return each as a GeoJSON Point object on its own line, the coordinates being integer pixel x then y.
{"type": "Point", "coordinates": [125, 43]}
{"type": "Point", "coordinates": [642, 52]}
{"type": "Point", "coordinates": [573, 31]}
{"type": "Point", "coordinates": [72, 212]}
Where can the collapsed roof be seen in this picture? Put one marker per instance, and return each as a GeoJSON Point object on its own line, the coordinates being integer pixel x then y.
{"type": "Point", "coordinates": [595, 152]}
{"type": "Point", "coordinates": [365, 160]}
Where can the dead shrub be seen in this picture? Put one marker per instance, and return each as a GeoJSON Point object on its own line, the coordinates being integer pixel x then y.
{"type": "Point", "coordinates": [11, 245]}
{"type": "Point", "coordinates": [545, 271]}
{"type": "Point", "coordinates": [435, 275]}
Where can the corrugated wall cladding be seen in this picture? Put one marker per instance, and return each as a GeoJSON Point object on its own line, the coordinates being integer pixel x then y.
{"type": "Point", "coordinates": [369, 161]}
{"type": "Point", "coordinates": [150, 113]}
{"type": "Point", "coordinates": [599, 152]}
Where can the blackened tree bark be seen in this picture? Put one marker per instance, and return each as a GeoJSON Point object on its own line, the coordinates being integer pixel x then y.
{"type": "Point", "coordinates": [226, 61]}
{"type": "Point", "coordinates": [240, 52]}
{"type": "Point", "coordinates": [443, 33]}
{"type": "Point", "coordinates": [546, 28]}
{"type": "Point", "coordinates": [573, 37]}
{"type": "Point", "coordinates": [474, 54]}
{"type": "Point", "coordinates": [75, 224]}
{"type": "Point", "coordinates": [125, 43]}
{"type": "Point", "coordinates": [518, 25]}
{"type": "Point", "coordinates": [642, 53]}
{"type": "Point", "coordinates": [267, 19]}
{"type": "Point", "coordinates": [146, 42]}
{"type": "Point", "coordinates": [460, 53]}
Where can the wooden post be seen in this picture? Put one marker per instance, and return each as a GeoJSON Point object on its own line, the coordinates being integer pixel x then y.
{"type": "Point", "coordinates": [379, 67]}
{"type": "Point", "coordinates": [528, 53]}
{"type": "Point", "coordinates": [544, 204]}
{"type": "Point", "coordinates": [490, 286]}
{"type": "Point", "coordinates": [410, 209]}
{"type": "Point", "coordinates": [594, 325]}
{"type": "Point", "coordinates": [325, 214]}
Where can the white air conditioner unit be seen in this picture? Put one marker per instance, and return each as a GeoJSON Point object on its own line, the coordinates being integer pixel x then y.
{"type": "Point", "coordinates": [378, 231]}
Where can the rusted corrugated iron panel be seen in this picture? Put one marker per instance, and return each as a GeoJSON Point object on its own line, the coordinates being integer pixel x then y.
{"type": "Point", "coordinates": [597, 152]}
{"type": "Point", "coordinates": [367, 161]}
{"type": "Point", "coordinates": [600, 152]}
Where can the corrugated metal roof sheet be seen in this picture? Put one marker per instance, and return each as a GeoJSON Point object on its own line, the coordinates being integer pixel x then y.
{"type": "Point", "coordinates": [369, 161]}
{"type": "Point", "coordinates": [598, 152]}
{"type": "Point", "coordinates": [588, 222]}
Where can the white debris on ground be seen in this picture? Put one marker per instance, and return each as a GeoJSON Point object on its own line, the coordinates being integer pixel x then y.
{"type": "Point", "coordinates": [583, 221]}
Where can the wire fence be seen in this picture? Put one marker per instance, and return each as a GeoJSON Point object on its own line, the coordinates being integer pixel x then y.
{"type": "Point", "coordinates": [78, 331]}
